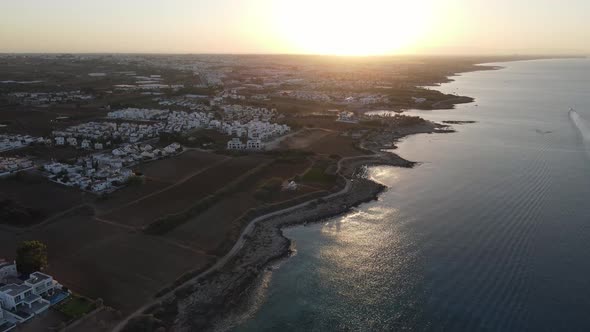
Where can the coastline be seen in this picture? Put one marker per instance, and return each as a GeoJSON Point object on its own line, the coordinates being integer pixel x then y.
{"type": "Point", "coordinates": [209, 297]}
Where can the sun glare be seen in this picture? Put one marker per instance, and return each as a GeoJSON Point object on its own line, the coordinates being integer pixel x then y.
{"type": "Point", "coordinates": [340, 27]}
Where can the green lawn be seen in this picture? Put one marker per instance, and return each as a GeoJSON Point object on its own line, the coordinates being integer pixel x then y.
{"type": "Point", "coordinates": [76, 306]}
{"type": "Point", "coordinates": [318, 175]}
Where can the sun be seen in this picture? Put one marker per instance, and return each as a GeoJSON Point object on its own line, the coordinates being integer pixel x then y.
{"type": "Point", "coordinates": [341, 27]}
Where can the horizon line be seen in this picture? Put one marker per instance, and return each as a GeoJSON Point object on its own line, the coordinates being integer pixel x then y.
{"type": "Point", "coordinates": [544, 55]}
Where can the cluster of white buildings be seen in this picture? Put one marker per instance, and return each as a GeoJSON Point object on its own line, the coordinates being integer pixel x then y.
{"type": "Point", "coordinates": [130, 154]}
{"type": "Point", "coordinates": [229, 94]}
{"type": "Point", "coordinates": [86, 135]}
{"type": "Point", "coordinates": [187, 101]}
{"type": "Point", "coordinates": [147, 86]}
{"type": "Point", "coordinates": [91, 177]}
{"type": "Point", "coordinates": [346, 116]}
{"type": "Point", "coordinates": [251, 144]}
{"type": "Point", "coordinates": [179, 121]}
{"type": "Point", "coordinates": [43, 98]}
{"type": "Point", "coordinates": [306, 95]}
{"type": "Point", "coordinates": [169, 121]}
{"type": "Point", "coordinates": [139, 114]}
{"type": "Point", "coordinates": [252, 123]}
{"type": "Point", "coordinates": [11, 142]}
{"type": "Point", "coordinates": [255, 133]}
{"type": "Point", "coordinates": [10, 165]}
{"type": "Point", "coordinates": [106, 172]}
{"type": "Point", "coordinates": [257, 130]}
{"type": "Point", "coordinates": [21, 300]}
{"type": "Point", "coordinates": [248, 113]}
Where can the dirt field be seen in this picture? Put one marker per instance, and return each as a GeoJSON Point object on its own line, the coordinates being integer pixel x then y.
{"type": "Point", "coordinates": [104, 261]}
{"type": "Point", "coordinates": [174, 169]}
{"type": "Point", "coordinates": [36, 192]}
{"type": "Point", "coordinates": [214, 229]}
{"type": "Point", "coordinates": [128, 194]}
{"type": "Point", "coordinates": [183, 194]}
{"type": "Point", "coordinates": [303, 139]}
{"type": "Point", "coordinates": [40, 121]}
{"type": "Point", "coordinates": [335, 144]}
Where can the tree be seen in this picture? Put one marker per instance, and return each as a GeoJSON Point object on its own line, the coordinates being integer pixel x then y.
{"type": "Point", "coordinates": [31, 256]}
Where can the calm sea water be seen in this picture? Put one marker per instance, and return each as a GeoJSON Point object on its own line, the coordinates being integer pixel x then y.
{"type": "Point", "coordinates": [490, 233]}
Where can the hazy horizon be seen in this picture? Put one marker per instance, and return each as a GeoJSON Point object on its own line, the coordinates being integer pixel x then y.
{"type": "Point", "coordinates": [329, 27]}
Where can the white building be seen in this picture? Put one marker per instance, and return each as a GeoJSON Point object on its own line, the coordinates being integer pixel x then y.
{"type": "Point", "coordinates": [7, 270]}
{"type": "Point", "coordinates": [346, 117]}
{"type": "Point", "coordinates": [20, 302]}
{"type": "Point", "coordinates": [290, 186]}
{"type": "Point", "coordinates": [72, 141]}
{"type": "Point", "coordinates": [85, 144]}
{"type": "Point", "coordinates": [235, 144]}
{"type": "Point", "coordinates": [60, 140]}
{"type": "Point", "coordinates": [5, 325]}
{"type": "Point", "coordinates": [54, 168]}
{"type": "Point", "coordinates": [254, 144]}
{"type": "Point", "coordinates": [100, 186]}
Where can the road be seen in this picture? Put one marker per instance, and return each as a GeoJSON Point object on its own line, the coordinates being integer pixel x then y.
{"type": "Point", "coordinates": [233, 252]}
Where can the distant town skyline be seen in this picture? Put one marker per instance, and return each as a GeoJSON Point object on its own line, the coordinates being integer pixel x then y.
{"type": "Point", "coordinates": [369, 27]}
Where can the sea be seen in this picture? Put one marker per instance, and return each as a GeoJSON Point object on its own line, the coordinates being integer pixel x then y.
{"type": "Point", "coordinates": [490, 232]}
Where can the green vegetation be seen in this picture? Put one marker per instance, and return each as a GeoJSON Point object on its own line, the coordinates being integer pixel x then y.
{"type": "Point", "coordinates": [267, 189]}
{"type": "Point", "coordinates": [76, 306]}
{"type": "Point", "coordinates": [202, 138]}
{"type": "Point", "coordinates": [31, 256]}
{"type": "Point", "coordinates": [170, 222]}
{"type": "Point", "coordinates": [319, 172]}
{"type": "Point", "coordinates": [319, 175]}
{"type": "Point", "coordinates": [135, 181]}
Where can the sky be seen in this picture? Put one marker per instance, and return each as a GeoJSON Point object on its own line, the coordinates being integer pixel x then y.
{"type": "Point", "coordinates": [342, 27]}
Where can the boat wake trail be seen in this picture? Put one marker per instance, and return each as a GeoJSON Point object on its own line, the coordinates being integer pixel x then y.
{"type": "Point", "coordinates": [583, 128]}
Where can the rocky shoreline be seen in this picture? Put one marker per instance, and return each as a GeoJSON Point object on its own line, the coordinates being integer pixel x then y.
{"type": "Point", "coordinates": [205, 302]}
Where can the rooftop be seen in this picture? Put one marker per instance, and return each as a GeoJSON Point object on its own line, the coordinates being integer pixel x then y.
{"type": "Point", "coordinates": [37, 277]}
{"type": "Point", "coordinates": [14, 289]}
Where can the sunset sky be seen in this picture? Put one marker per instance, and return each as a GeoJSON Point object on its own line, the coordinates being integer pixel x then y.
{"type": "Point", "coordinates": [368, 27]}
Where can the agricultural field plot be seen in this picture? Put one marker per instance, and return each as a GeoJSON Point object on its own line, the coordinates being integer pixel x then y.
{"type": "Point", "coordinates": [38, 121]}
{"type": "Point", "coordinates": [35, 194]}
{"type": "Point", "coordinates": [100, 260]}
{"type": "Point", "coordinates": [128, 194]}
{"type": "Point", "coordinates": [44, 153]}
{"type": "Point", "coordinates": [184, 194]}
{"type": "Point", "coordinates": [218, 227]}
{"type": "Point", "coordinates": [335, 144]}
{"type": "Point", "coordinates": [126, 270]}
{"type": "Point", "coordinates": [303, 139]}
{"type": "Point", "coordinates": [174, 169]}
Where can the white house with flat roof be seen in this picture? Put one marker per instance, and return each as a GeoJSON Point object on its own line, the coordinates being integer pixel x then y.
{"type": "Point", "coordinates": [42, 283]}
{"type": "Point", "coordinates": [21, 302]}
{"type": "Point", "coordinates": [235, 144]}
